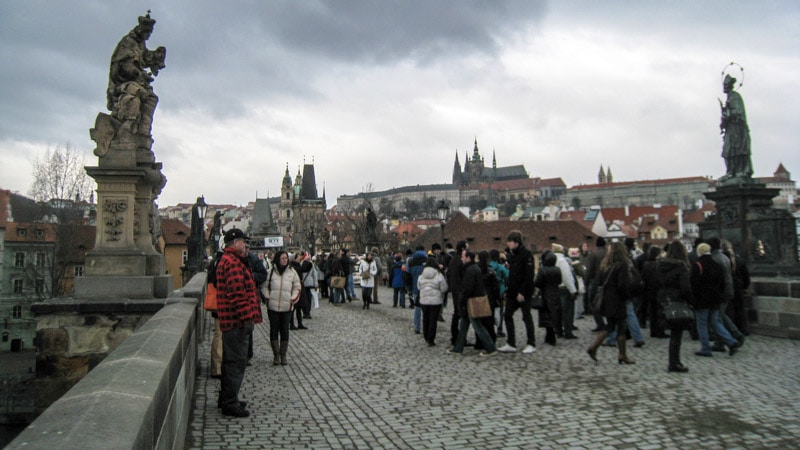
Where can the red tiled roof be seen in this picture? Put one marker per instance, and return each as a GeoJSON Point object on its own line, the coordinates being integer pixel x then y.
{"type": "Point", "coordinates": [49, 235]}
{"type": "Point", "coordinates": [174, 232]}
{"type": "Point", "coordinates": [4, 194]}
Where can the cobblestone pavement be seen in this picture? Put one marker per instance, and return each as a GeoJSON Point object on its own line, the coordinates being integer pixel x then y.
{"type": "Point", "coordinates": [363, 379]}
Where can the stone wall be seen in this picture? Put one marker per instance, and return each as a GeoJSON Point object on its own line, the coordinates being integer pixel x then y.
{"type": "Point", "coordinates": [140, 395]}
{"type": "Point", "coordinates": [775, 307]}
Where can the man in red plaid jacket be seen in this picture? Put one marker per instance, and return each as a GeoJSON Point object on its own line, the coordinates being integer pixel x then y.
{"type": "Point", "coordinates": [239, 310]}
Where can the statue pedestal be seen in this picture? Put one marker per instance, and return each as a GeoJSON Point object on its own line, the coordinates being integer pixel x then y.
{"type": "Point", "coordinates": [765, 236]}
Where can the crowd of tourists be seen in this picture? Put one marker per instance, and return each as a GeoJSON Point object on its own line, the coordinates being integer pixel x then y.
{"type": "Point", "coordinates": [666, 289]}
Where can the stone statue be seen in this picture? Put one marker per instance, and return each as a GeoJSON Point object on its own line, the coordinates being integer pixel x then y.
{"type": "Point", "coordinates": [131, 99]}
{"type": "Point", "coordinates": [736, 135]}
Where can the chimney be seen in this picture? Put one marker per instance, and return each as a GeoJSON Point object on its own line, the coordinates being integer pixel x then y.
{"type": "Point", "coordinates": [680, 222]}
{"type": "Point", "coordinates": [627, 210]}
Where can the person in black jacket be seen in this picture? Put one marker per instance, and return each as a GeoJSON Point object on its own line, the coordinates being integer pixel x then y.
{"type": "Point", "coordinates": [260, 276]}
{"type": "Point", "coordinates": [519, 293]}
{"type": "Point", "coordinates": [302, 270]}
{"type": "Point", "coordinates": [471, 286]}
{"type": "Point", "coordinates": [673, 274]}
{"type": "Point", "coordinates": [708, 284]}
{"type": "Point", "coordinates": [455, 272]}
{"type": "Point", "coordinates": [652, 284]}
{"type": "Point", "coordinates": [547, 281]}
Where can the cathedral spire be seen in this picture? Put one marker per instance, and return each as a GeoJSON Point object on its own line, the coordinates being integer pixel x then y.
{"type": "Point", "coordinates": [457, 171]}
{"type": "Point", "coordinates": [601, 176]}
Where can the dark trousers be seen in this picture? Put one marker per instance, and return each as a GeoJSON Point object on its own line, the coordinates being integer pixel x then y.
{"type": "Point", "coordinates": [512, 305]}
{"type": "Point", "coordinates": [567, 311]}
{"type": "Point", "coordinates": [430, 319]}
{"type": "Point", "coordinates": [675, 336]}
{"type": "Point", "coordinates": [279, 325]}
{"type": "Point", "coordinates": [234, 362]}
{"type": "Point", "coordinates": [488, 324]}
{"type": "Point", "coordinates": [323, 288]}
{"type": "Point", "coordinates": [366, 296]}
{"type": "Point", "coordinates": [298, 312]}
{"type": "Point", "coordinates": [454, 325]}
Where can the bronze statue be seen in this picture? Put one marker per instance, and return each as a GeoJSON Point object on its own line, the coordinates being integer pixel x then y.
{"type": "Point", "coordinates": [131, 99]}
{"type": "Point", "coordinates": [736, 134]}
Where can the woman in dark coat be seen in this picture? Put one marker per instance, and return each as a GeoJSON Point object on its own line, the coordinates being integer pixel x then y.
{"type": "Point", "coordinates": [471, 286]}
{"type": "Point", "coordinates": [620, 282]}
{"type": "Point", "coordinates": [547, 280]}
{"type": "Point", "coordinates": [652, 283]}
{"type": "Point", "coordinates": [673, 271]}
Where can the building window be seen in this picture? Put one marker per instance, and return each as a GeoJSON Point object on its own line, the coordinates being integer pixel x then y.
{"type": "Point", "coordinates": [19, 259]}
{"type": "Point", "coordinates": [39, 284]}
{"type": "Point", "coordinates": [77, 271]}
{"type": "Point", "coordinates": [40, 259]}
{"type": "Point", "coordinates": [16, 311]}
{"type": "Point", "coordinates": [288, 213]}
{"type": "Point", "coordinates": [19, 284]}
{"type": "Point", "coordinates": [185, 256]}
{"type": "Point", "coordinates": [22, 232]}
{"type": "Point", "coordinates": [39, 232]}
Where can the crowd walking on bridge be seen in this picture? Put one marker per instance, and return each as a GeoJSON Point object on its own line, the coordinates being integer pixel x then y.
{"type": "Point", "coordinates": [624, 289]}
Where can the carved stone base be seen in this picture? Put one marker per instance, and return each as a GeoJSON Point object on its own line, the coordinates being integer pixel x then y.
{"type": "Point", "coordinates": [126, 286]}
{"type": "Point", "coordinates": [765, 236]}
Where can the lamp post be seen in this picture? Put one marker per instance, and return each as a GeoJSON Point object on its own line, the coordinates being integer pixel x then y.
{"type": "Point", "coordinates": [196, 241]}
{"type": "Point", "coordinates": [443, 210]}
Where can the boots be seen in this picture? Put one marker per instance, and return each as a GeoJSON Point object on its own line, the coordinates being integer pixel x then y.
{"type": "Point", "coordinates": [550, 337]}
{"type": "Point", "coordinates": [284, 349]}
{"type": "Point", "coordinates": [623, 357]}
{"type": "Point", "coordinates": [276, 352]}
{"type": "Point", "coordinates": [592, 351]}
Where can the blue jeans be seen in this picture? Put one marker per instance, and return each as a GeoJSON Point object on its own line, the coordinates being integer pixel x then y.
{"type": "Point", "coordinates": [351, 292]}
{"type": "Point", "coordinates": [417, 316]}
{"type": "Point", "coordinates": [728, 324]}
{"type": "Point", "coordinates": [234, 361]}
{"type": "Point", "coordinates": [702, 318]}
{"type": "Point", "coordinates": [480, 330]}
{"type": "Point", "coordinates": [399, 295]}
{"type": "Point", "coordinates": [337, 295]}
{"type": "Point", "coordinates": [633, 324]}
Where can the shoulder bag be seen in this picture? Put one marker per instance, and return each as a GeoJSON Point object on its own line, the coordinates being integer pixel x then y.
{"type": "Point", "coordinates": [478, 307]}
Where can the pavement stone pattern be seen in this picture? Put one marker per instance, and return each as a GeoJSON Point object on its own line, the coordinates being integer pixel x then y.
{"type": "Point", "coordinates": [363, 379]}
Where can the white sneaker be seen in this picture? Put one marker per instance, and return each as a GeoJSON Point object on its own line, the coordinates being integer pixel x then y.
{"type": "Point", "coordinates": [529, 349]}
{"type": "Point", "coordinates": [507, 349]}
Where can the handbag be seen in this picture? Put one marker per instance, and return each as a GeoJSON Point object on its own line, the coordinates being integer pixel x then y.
{"type": "Point", "coordinates": [537, 302]}
{"type": "Point", "coordinates": [338, 282]}
{"type": "Point", "coordinates": [210, 302]}
{"type": "Point", "coordinates": [678, 314]}
{"type": "Point", "coordinates": [478, 307]}
{"type": "Point", "coordinates": [365, 275]}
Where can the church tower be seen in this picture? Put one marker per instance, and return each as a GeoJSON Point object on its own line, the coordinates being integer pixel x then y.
{"type": "Point", "coordinates": [287, 201]}
{"type": "Point", "coordinates": [601, 176]}
{"type": "Point", "coordinates": [609, 177]}
{"type": "Point", "coordinates": [457, 179]}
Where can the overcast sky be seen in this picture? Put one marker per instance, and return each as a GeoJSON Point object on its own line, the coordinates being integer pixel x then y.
{"type": "Point", "coordinates": [385, 93]}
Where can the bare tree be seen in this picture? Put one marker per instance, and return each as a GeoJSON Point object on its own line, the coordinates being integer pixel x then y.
{"type": "Point", "coordinates": [61, 184]}
{"type": "Point", "coordinates": [59, 175]}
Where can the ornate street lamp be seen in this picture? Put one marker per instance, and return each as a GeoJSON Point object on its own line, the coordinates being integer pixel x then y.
{"type": "Point", "coordinates": [196, 242]}
{"type": "Point", "coordinates": [443, 210]}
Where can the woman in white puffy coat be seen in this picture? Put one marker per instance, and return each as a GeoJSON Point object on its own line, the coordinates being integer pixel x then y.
{"type": "Point", "coordinates": [432, 287]}
{"type": "Point", "coordinates": [367, 266]}
{"type": "Point", "coordinates": [282, 290]}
